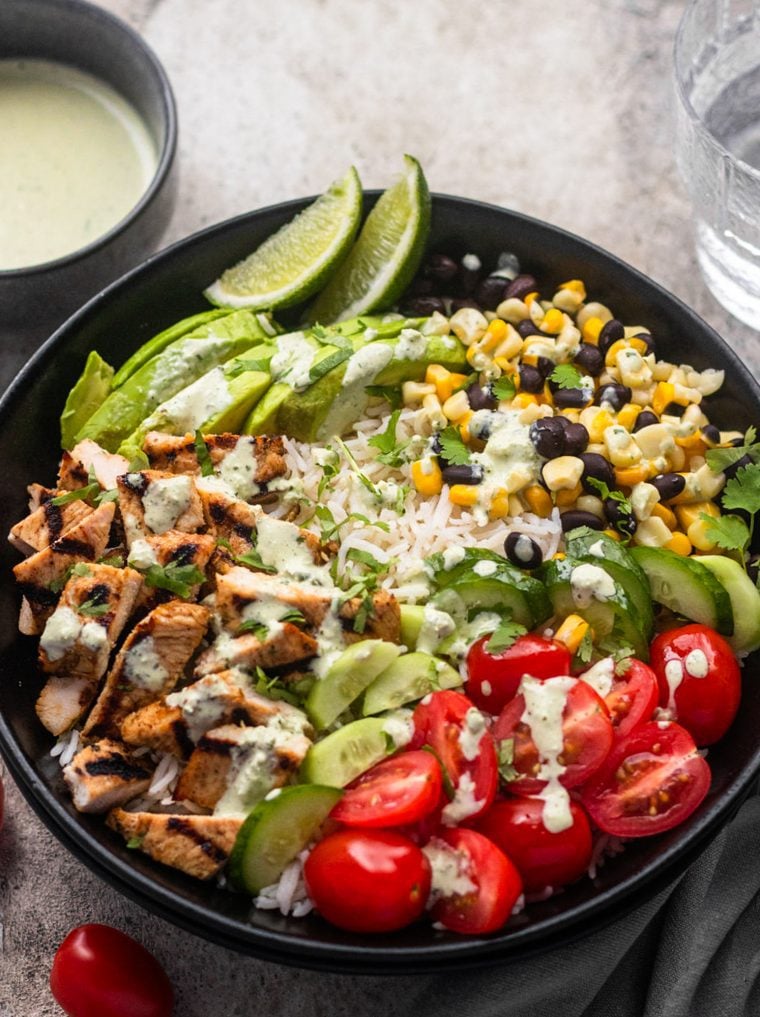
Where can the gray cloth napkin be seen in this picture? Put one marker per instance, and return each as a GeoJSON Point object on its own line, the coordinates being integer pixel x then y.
{"type": "Point", "coordinates": [692, 951]}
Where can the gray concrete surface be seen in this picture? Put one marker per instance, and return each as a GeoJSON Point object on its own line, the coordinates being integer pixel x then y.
{"type": "Point", "coordinates": [558, 109]}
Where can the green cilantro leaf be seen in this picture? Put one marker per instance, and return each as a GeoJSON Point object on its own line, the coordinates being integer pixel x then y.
{"type": "Point", "coordinates": [391, 451]}
{"type": "Point", "coordinates": [202, 452]}
{"type": "Point", "coordinates": [273, 688]}
{"type": "Point", "coordinates": [135, 842]}
{"type": "Point", "coordinates": [743, 490]}
{"type": "Point", "coordinates": [566, 376]}
{"type": "Point", "coordinates": [80, 494]}
{"type": "Point", "coordinates": [719, 458]}
{"type": "Point", "coordinates": [252, 560]}
{"type": "Point", "coordinates": [729, 532]}
{"type": "Point", "coordinates": [623, 663]}
{"type": "Point", "coordinates": [605, 492]}
{"type": "Point", "coordinates": [585, 649]}
{"type": "Point", "coordinates": [365, 558]}
{"type": "Point", "coordinates": [388, 392]}
{"type": "Point", "coordinates": [80, 569]}
{"type": "Point", "coordinates": [503, 388]}
{"type": "Point", "coordinates": [111, 495]}
{"type": "Point", "coordinates": [94, 608]}
{"type": "Point", "coordinates": [453, 448]}
{"type": "Point", "coordinates": [505, 753]}
{"type": "Point", "coordinates": [506, 633]}
{"type": "Point", "coordinates": [116, 561]}
{"type": "Point", "coordinates": [255, 627]}
{"type": "Point", "coordinates": [177, 579]}
{"type": "Point", "coordinates": [323, 367]}
{"type": "Point", "coordinates": [240, 366]}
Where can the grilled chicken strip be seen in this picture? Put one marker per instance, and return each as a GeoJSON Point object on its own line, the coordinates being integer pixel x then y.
{"type": "Point", "coordinates": [86, 458]}
{"type": "Point", "coordinates": [38, 495]}
{"type": "Point", "coordinates": [47, 523]}
{"type": "Point", "coordinates": [235, 458]}
{"type": "Point", "coordinates": [197, 845]}
{"type": "Point", "coordinates": [176, 723]}
{"type": "Point", "coordinates": [233, 767]}
{"type": "Point", "coordinates": [171, 548]}
{"type": "Point", "coordinates": [148, 665]}
{"type": "Point", "coordinates": [103, 775]}
{"type": "Point", "coordinates": [152, 502]}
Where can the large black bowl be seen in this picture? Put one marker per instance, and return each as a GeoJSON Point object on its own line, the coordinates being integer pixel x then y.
{"type": "Point", "coordinates": [169, 287]}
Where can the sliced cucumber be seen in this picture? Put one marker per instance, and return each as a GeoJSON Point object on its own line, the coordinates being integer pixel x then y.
{"type": "Point", "coordinates": [412, 617]}
{"type": "Point", "coordinates": [407, 679]}
{"type": "Point", "coordinates": [348, 677]}
{"type": "Point", "coordinates": [688, 588]}
{"type": "Point", "coordinates": [347, 752]}
{"type": "Point", "coordinates": [745, 600]}
{"type": "Point", "coordinates": [276, 831]}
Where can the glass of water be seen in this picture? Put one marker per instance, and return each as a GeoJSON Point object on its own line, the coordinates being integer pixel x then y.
{"type": "Point", "coordinates": [717, 76]}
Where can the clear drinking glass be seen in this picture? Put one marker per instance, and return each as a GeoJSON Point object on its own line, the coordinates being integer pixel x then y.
{"type": "Point", "coordinates": [717, 77]}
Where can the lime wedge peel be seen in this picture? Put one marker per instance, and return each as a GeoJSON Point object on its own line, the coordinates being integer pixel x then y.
{"type": "Point", "coordinates": [296, 262]}
{"type": "Point", "coordinates": [386, 255]}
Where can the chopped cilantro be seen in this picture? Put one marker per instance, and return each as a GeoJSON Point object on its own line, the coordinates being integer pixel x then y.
{"type": "Point", "coordinates": [115, 561]}
{"type": "Point", "coordinates": [94, 608]}
{"type": "Point", "coordinates": [135, 842]}
{"type": "Point", "coordinates": [566, 376]}
{"type": "Point", "coordinates": [583, 654]}
{"type": "Point", "coordinates": [743, 490]}
{"type": "Point", "coordinates": [719, 458]}
{"type": "Point", "coordinates": [273, 688]}
{"type": "Point", "coordinates": [453, 448]}
{"type": "Point", "coordinates": [503, 388]}
{"type": "Point", "coordinates": [323, 367]}
{"type": "Point", "coordinates": [392, 452]}
{"type": "Point", "coordinates": [177, 579]}
{"type": "Point", "coordinates": [617, 496]}
{"type": "Point", "coordinates": [80, 494]}
{"type": "Point", "coordinates": [240, 366]}
{"type": "Point", "coordinates": [729, 532]}
{"type": "Point", "coordinates": [506, 633]}
{"type": "Point", "coordinates": [255, 627]}
{"type": "Point", "coordinates": [202, 452]}
{"type": "Point", "coordinates": [505, 753]}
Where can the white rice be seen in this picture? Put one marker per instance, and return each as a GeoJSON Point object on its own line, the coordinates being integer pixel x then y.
{"type": "Point", "coordinates": [66, 747]}
{"type": "Point", "coordinates": [288, 895]}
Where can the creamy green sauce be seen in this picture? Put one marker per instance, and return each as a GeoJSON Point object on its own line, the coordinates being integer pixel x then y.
{"type": "Point", "coordinates": [75, 158]}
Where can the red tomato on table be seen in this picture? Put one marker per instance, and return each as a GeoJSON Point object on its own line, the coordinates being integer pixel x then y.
{"type": "Point", "coordinates": [396, 792]}
{"type": "Point", "coordinates": [492, 678]}
{"type": "Point", "coordinates": [101, 972]}
{"type": "Point", "coordinates": [368, 881]}
{"type": "Point", "coordinates": [542, 858]}
{"type": "Point", "coordinates": [699, 679]}
{"type": "Point", "coordinates": [651, 781]}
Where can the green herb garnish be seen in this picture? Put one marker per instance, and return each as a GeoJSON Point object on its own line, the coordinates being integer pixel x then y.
{"type": "Point", "coordinates": [453, 448]}
{"type": "Point", "coordinates": [392, 452]}
{"type": "Point", "coordinates": [202, 452]}
{"type": "Point", "coordinates": [505, 753]}
{"type": "Point", "coordinates": [176, 578]}
{"type": "Point", "coordinates": [503, 388]}
{"type": "Point", "coordinates": [566, 376]}
{"type": "Point", "coordinates": [506, 633]}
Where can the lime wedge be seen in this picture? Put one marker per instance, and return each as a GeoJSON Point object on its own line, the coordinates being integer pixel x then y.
{"type": "Point", "coordinates": [386, 255]}
{"type": "Point", "coordinates": [296, 262]}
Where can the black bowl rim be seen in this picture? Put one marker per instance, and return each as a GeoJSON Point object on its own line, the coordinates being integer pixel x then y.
{"type": "Point", "coordinates": [166, 153]}
{"type": "Point", "coordinates": [272, 945]}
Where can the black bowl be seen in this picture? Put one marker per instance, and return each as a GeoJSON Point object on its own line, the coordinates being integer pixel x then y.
{"type": "Point", "coordinates": [169, 287]}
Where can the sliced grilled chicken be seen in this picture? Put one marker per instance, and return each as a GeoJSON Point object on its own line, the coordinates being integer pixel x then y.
{"type": "Point", "coordinates": [249, 460]}
{"type": "Point", "coordinates": [173, 548]}
{"type": "Point", "coordinates": [85, 541]}
{"type": "Point", "coordinates": [383, 620]}
{"type": "Point", "coordinates": [239, 591]}
{"type": "Point", "coordinates": [177, 723]}
{"type": "Point", "coordinates": [103, 775]}
{"type": "Point", "coordinates": [38, 495]}
{"type": "Point", "coordinates": [148, 665]}
{"type": "Point", "coordinates": [152, 502]}
{"type": "Point", "coordinates": [45, 524]}
{"type": "Point", "coordinates": [289, 646]}
{"type": "Point", "coordinates": [106, 466]}
{"type": "Point", "coordinates": [233, 767]}
{"type": "Point", "coordinates": [197, 845]}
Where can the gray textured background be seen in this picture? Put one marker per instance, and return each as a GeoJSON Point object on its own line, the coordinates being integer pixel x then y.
{"type": "Point", "coordinates": [559, 109]}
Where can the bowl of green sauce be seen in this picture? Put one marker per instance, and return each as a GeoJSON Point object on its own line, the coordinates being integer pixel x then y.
{"type": "Point", "coordinates": [87, 180]}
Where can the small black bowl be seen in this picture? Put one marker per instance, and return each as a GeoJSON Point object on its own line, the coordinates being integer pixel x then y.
{"type": "Point", "coordinates": [36, 299]}
{"type": "Point", "coordinates": [168, 287]}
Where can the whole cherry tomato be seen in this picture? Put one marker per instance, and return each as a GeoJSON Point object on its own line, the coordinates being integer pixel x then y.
{"type": "Point", "coordinates": [492, 678]}
{"type": "Point", "coordinates": [101, 972]}
{"type": "Point", "coordinates": [699, 679]}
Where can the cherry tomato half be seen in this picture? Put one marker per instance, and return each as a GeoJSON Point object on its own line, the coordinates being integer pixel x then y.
{"type": "Point", "coordinates": [101, 972]}
{"type": "Point", "coordinates": [633, 697]}
{"type": "Point", "coordinates": [651, 781]}
{"type": "Point", "coordinates": [542, 858]}
{"type": "Point", "coordinates": [492, 885]}
{"type": "Point", "coordinates": [492, 678]}
{"type": "Point", "coordinates": [455, 729]}
{"type": "Point", "coordinates": [368, 881]}
{"type": "Point", "coordinates": [699, 679]}
{"type": "Point", "coordinates": [400, 790]}
{"type": "Point", "coordinates": [586, 738]}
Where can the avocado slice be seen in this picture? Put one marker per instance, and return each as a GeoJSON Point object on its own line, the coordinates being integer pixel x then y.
{"type": "Point", "coordinates": [85, 397]}
{"type": "Point", "coordinates": [177, 366]}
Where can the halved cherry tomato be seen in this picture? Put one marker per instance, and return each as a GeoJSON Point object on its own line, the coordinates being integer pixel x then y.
{"type": "Point", "coordinates": [455, 729]}
{"type": "Point", "coordinates": [492, 885]}
{"type": "Point", "coordinates": [542, 858]}
{"type": "Point", "coordinates": [586, 732]}
{"type": "Point", "coordinates": [633, 697]}
{"type": "Point", "coordinates": [368, 881]}
{"type": "Point", "coordinates": [400, 790]}
{"type": "Point", "coordinates": [101, 972]}
{"type": "Point", "coordinates": [652, 780]}
{"type": "Point", "coordinates": [492, 678]}
{"type": "Point", "coordinates": [699, 679]}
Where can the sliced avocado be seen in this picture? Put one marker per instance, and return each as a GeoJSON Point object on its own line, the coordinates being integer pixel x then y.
{"type": "Point", "coordinates": [348, 677]}
{"type": "Point", "coordinates": [86, 396]}
{"type": "Point", "coordinates": [340, 757]}
{"type": "Point", "coordinates": [408, 679]}
{"type": "Point", "coordinates": [176, 367]}
{"type": "Point", "coordinates": [745, 600]}
{"type": "Point", "coordinates": [686, 587]}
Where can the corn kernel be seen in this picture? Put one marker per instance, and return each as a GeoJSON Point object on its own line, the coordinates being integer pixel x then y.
{"type": "Point", "coordinates": [627, 476]}
{"type": "Point", "coordinates": [697, 534]}
{"type": "Point", "coordinates": [499, 507]}
{"type": "Point", "coordinates": [622, 450]}
{"type": "Point", "coordinates": [687, 515]}
{"type": "Point", "coordinates": [476, 358]}
{"type": "Point", "coordinates": [679, 543]}
{"type": "Point", "coordinates": [510, 345]}
{"type": "Point", "coordinates": [693, 443]}
{"type": "Point", "coordinates": [663, 397]}
{"type": "Point", "coordinates": [613, 534]}
{"type": "Point", "coordinates": [559, 556]}
{"type": "Point", "coordinates": [495, 333]}
{"type": "Point", "coordinates": [571, 631]}
{"type": "Point", "coordinates": [507, 368]}
{"type": "Point", "coordinates": [676, 459]}
{"type": "Point", "coordinates": [563, 473]}
{"type": "Point", "coordinates": [567, 498]}
{"type": "Point", "coordinates": [464, 425]}
{"type": "Point", "coordinates": [639, 345]}
{"type": "Point", "coordinates": [553, 321]}
{"type": "Point", "coordinates": [618, 346]}
{"type": "Point", "coordinates": [664, 513]}
{"type": "Point", "coordinates": [516, 507]}
{"type": "Point", "coordinates": [538, 500]}
{"type": "Point", "coordinates": [415, 391]}
{"type": "Point", "coordinates": [529, 298]}
{"type": "Point", "coordinates": [593, 309]}
{"type": "Point", "coordinates": [652, 532]}
{"type": "Point", "coordinates": [598, 423]}
{"type": "Point", "coordinates": [445, 381]}
{"type": "Point", "coordinates": [591, 329]}
{"type": "Point", "coordinates": [590, 503]}
{"type": "Point", "coordinates": [628, 416]}
{"type": "Point", "coordinates": [522, 400]}
{"type": "Point", "coordinates": [432, 406]}
{"type": "Point", "coordinates": [468, 324]}
{"type": "Point", "coordinates": [457, 406]}
{"type": "Point", "coordinates": [576, 285]}
{"type": "Point", "coordinates": [427, 476]}
{"type": "Point", "coordinates": [512, 310]}
{"type": "Point", "coordinates": [465, 495]}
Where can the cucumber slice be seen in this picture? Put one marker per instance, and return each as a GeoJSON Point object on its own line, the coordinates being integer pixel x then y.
{"type": "Point", "coordinates": [348, 677]}
{"type": "Point", "coordinates": [745, 600]}
{"type": "Point", "coordinates": [407, 679]}
{"type": "Point", "coordinates": [686, 587]}
{"type": "Point", "coordinates": [613, 618]}
{"type": "Point", "coordinates": [347, 752]}
{"type": "Point", "coordinates": [412, 617]}
{"type": "Point", "coordinates": [587, 545]}
{"type": "Point", "coordinates": [276, 831]}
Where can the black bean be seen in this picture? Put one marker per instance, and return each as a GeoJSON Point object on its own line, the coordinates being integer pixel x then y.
{"type": "Point", "coordinates": [574, 518]}
{"type": "Point", "coordinates": [545, 366]}
{"type": "Point", "coordinates": [548, 437]}
{"type": "Point", "coordinates": [440, 267]}
{"type": "Point", "coordinates": [645, 337]}
{"type": "Point", "coordinates": [571, 398]}
{"type": "Point", "coordinates": [615, 394]}
{"type": "Point", "coordinates": [520, 287]}
{"type": "Point", "coordinates": [612, 330]}
{"type": "Point", "coordinates": [711, 433]}
{"type": "Point", "coordinates": [490, 291]}
{"type": "Point", "coordinates": [597, 467]}
{"type": "Point", "coordinates": [669, 485]}
{"type": "Point", "coordinates": [620, 516]}
{"type": "Point", "coordinates": [730, 471]}
{"type": "Point", "coordinates": [481, 397]}
{"type": "Point", "coordinates": [590, 360]}
{"type": "Point", "coordinates": [420, 287]}
{"type": "Point", "coordinates": [526, 328]}
{"type": "Point", "coordinates": [423, 307]}
{"type": "Point", "coordinates": [737, 442]}
{"type": "Point", "coordinates": [530, 379]}
{"type": "Point", "coordinates": [465, 474]}
{"type": "Point", "coordinates": [576, 438]}
{"type": "Point", "coordinates": [645, 419]}
{"type": "Point", "coordinates": [459, 302]}
{"type": "Point", "coordinates": [522, 551]}
{"type": "Point", "coordinates": [674, 410]}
